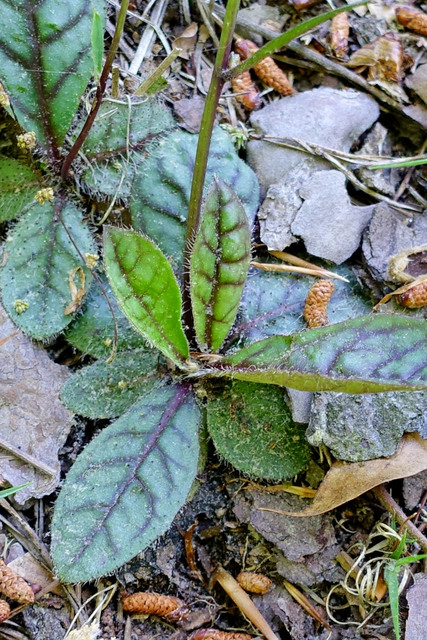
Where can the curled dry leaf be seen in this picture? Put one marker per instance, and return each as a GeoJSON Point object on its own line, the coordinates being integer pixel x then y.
{"type": "Point", "coordinates": [407, 265]}
{"type": "Point", "coordinates": [348, 480]}
{"type": "Point", "coordinates": [34, 422]}
{"type": "Point", "coordinates": [186, 41]}
{"type": "Point", "coordinates": [316, 304]}
{"type": "Point", "coordinates": [4, 610]}
{"type": "Point", "coordinates": [384, 58]}
{"type": "Point", "coordinates": [340, 30]}
{"type": "Point", "coordinates": [412, 18]}
{"type": "Point", "coordinates": [13, 586]}
{"type": "Point", "coordinates": [267, 70]}
{"type": "Point", "coordinates": [168, 607]}
{"type": "Point", "coordinates": [215, 634]}
{"type": "Point", "coordinates": [254, 582]}
{"type": "Point", "coordinates": [77, 294]}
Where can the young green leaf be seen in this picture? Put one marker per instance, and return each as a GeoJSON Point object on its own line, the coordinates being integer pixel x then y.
{"type": "Point", "coordinates": [147, 291]}
{"type": "Point", "coordinates": [219, 265]}
{"type": "Point", "coordinates": [161, 190]}
{"type": "Point", "coordinates": [104, 390]}
{"type": "Point", "coordinates": [18, 186]}
{"type": "Point", "coordinates": [363, 355]}
{"type": "Point", "coordinates": [97, 40]}
{"type": "Point", "coordinates": [251, 426]}
{"type": "Point", "coordinates": [126, 487]}
{"type": "Point", "coordinates": [38, 262]}
{"type": "Point", "coordinates": [92, 331]}
{"type": "Point", "coordinates": [46, 62]}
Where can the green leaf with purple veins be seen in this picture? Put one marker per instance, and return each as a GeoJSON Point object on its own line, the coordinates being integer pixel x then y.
{"type": "Point", "coordinates": [127, 485]}
{"type": "Point", "coordinates": [147, 291]}
{"type": "Point", "coordinates": [363, 355]}
{"type": "Point", "coordinates": [46, 62]}
{"type": "Point", "coordinates": [219, 265]}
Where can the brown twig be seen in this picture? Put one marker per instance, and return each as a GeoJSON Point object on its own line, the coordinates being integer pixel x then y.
{"type": "Point", "coordinates": [392, 507]}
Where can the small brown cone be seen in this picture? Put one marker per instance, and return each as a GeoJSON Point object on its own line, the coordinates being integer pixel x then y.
{"type": "Point", "coordinates": [254, 582]}
{"type": "Point", "coordinates": [215, 634]}
{"type": "Point", "coordinates": [415, 297]}
{"type": "Point", "coordinates": [316, 304]}
{"type": "Point", "coordinates": [267, 69]}
{"type": "Point", "coordinates": [168, 607]}
{"type": "Point", "coordinates": [4, 610]}
{"type": "Point", "coordinates": [13, 586]}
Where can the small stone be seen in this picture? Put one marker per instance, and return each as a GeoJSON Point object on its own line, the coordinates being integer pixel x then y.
{"type": "Point", "coordinates": [418, 82]}
{"type": "Point", "coordinates": [299, 403]}
{"type": "Point", "coordinates": [416, 625]}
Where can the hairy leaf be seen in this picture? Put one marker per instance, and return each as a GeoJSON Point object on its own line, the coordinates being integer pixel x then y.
{"type": "Point", "coordinates": [251, 426]}
{"type": "Point", "coordinates": [46, 62]}
{"type": "Point", "coordinates": [116, 143]}
{"type": "Point", "coordinates": [92, 331]}
{"type": "Point", "coordinates": [161, 191]}
{"type": "Point", "coordinates": [38, 261]}
{"type": "Point", "coordinates": [366, 354]}
{"type": "Point", "coordinates": [126, 487]}
{"type": "Point", "coordinates": [18, 186]}
{"type": "Point", "coordinates": [104, 390]}
{"type": "Point", "coordinates": [273, 303]}
{"type": "Point", "coordinates": [219, 265]}
{"type": "Point", "coordinates": [147, 291]}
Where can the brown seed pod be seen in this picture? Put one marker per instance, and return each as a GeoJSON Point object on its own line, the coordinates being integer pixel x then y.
{"type": "Point", "coordinates": [13, 586]}
{"type": "Point", "coordinates": [168, 607]}
{"type": "Point", "coordinates": [267, 69]}
{"type": "Point", "coordinates": [413, 19]}
{"type": "Point", "coordinates": [4, 611]}
{"type": "Point", "coordinates": [340, 30]}
{"type": "Point", "coordinates": [254, 582]}
{"type": "Point", "coordinates": [316, 304]}
{"type": "Point", "coordinates": [384, 57]}
{"type": "Point", "coordinates": [415, 297]}
{"type": "Point", "coordinates": [249, 95]}
{"type": "Point", "coordinates": [215, 634]}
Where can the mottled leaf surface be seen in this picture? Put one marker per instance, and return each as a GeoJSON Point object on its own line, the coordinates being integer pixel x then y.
{"type": "Point", "coordinates": [147, 291]}
{"type": "Point", "coordinates": [92, 331]}
{"type": "Point", "coordinates": [18, 186]}
{"type": "Point", "coordinates": [161, 191]}
{"type": "Point", "coordinates": [219, 265]}
{"type": "Point", "coordinates": [366, 354]}
{"type": "Point", "coordinates": [126, 487]}
{"type": "Point", "coordinates": [104, 390]}
{"type": "Point", "coordinates": [273, 303]}
{"type": "Point", "coordinates": [115, 144]}
{"type": "Point", "coordinates": [252, 428]}
{"type": "Point", "coordinates": [38, 258]}
{"type": "Point", "coordinates": [46, 62]}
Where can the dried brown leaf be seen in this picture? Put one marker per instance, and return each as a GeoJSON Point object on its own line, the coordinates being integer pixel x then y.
{"type": "Point", "coordinates": [34, 422]}
{"type": "Point", "coordinates": [384, 57]}
{"type": "Point", "coordinates": [348, 480]}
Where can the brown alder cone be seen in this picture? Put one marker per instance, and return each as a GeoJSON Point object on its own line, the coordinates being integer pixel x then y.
{"type": "Point", "coordinates": [415, 297]}
{"type": "Point", "coordinates": [340, 30]}
{"type": "Point", "coordinates": [214, 634]}
{"type": "Point", "coordinates": [250, 99]}
{"type": "Point", "coordinates": [254, 582]}
{"type": "Point", "coordinates": [267, 69]}
{"type": "Point", "coordinates": [413, 19]}
{"type": "Point", "coordinates": [4, 611]}
{"type": "Point", "coordinates": [168, 607]}
{"type": "Point", "coordinates": [14, 587]}
{"type": "Point", "coordinates": [316, 304]}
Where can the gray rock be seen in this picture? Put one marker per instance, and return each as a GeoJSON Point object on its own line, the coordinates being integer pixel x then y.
{"type": "Point", "coordinates": [388, 233]}
{"type": "Point", "coordinates": [299, 402]}
{"type": "Point", "coordinates": [325, 116]}
{"type": "Point", "coordinates": [377, 143]}
{"type": "Point", "coordinates": [260, 14]}
{"type": "Point", "coordinates": [418, 82]}
{"type": "Point", "coordinates": [416, 625]}
{"type": "Point", "coordinates": [329, 224]}
{"type": "Point", "coordinates": [413, 489]}
{"type": "Point", "coordinates": [363, 427]}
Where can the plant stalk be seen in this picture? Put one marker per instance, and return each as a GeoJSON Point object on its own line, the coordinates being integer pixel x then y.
{"type": "Point", "coordinates": [202, 154]}
{"type": "Point", "coordinates": [100, 90]}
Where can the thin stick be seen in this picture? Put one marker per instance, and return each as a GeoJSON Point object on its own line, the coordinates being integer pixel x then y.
{"type": "Point", "coordinates": [163, 66]}
{"type": "Point", "coordinates": [267, 266]}
{"type": "Point", "coordinates": [147, 40]}
{"type": "Point", "coordinates": [392, 507]}
{"type": "Point", "coordinates": [299, 262]}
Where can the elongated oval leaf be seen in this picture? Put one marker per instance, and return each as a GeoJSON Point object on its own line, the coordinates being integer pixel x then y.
{"type": "Point", "coordinates": [219, 265]}
{"type": "Point", "coordinates": [147, 291]}
{"type": "Point", "coordinates": [18, 186]}
{"type": "Point", "coordinates": [46, 62]}
{"type": "Point", "coordinates": [161, 190]}
{"type": "Point", "coordinates": [92, 331]}
{"type": "Point", "coordinates": [126, 487]}
{"type": "Point", "coordinates": [251, 426]}
{"type": "Point", "coordinates": [104, 390]}
{"type": "Point", "coordinates": [38, 261]}
{"type": "Point", "coordinates": [366, 354]}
